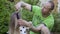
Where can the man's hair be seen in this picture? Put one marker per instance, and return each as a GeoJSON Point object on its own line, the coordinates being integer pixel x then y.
{"type": "Point", "coordinates": [52, 5]}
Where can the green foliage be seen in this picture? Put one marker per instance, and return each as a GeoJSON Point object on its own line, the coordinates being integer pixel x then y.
{"type": "Point", "coordinates": [6, 8]}
{"type": "Point", "coordinates": [27, 15]}
{"type": "Point", "coordinates": [56, 27]}
{"type": "Point", "coordinates": [32, 2]}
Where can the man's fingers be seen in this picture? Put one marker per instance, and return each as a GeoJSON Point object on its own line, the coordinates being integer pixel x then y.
{"type": "Point", "coordinates": [22, 20]}
{"type": "Point", "coordinates": [20, 23]}
{"type": "Point", "coordinates": [18, 6]}
{"type": "Point", "coordinates": [30, 22]}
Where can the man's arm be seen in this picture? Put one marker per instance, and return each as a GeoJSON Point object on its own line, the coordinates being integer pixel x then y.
{"type": "Point", "coordinates": [35, 29]}
{"type": "Point", "coordinates": [41, 28]}
{"type": "Point", "coordinates": [22, 4]}
{"type": "Point", "coordinates": [28, 24]}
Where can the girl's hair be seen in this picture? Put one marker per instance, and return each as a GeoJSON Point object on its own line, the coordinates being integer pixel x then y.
{"type": "Point", "coordinates": [13, 28]}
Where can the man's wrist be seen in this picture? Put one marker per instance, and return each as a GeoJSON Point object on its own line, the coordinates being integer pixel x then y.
{"type": "Point", "coordinates": [31, 26]}
{"type": "Point", "coordinates": [18, 5]}
{"type": "Point", "coordinates": [28, 24]}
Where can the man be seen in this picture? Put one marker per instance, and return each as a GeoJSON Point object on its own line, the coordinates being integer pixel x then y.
{"type": "Point", "coordinates": [42, 19]}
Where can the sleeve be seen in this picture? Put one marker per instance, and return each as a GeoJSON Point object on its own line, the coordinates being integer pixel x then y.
{"type": "Point", "coordinates": [49, 23]}
{"type": "Point", "coordinates": [35, 8]}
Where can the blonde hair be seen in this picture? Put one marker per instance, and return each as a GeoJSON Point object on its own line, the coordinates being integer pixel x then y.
{"type": "Point", "coordinates": [13, 28]}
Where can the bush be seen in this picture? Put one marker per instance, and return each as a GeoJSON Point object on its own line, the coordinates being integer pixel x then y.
{"type": "Point", "coordinates": [6, 8]}
{"type": "Point", "coordinates": [56, 27]}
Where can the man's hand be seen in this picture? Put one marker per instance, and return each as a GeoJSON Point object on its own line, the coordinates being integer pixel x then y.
{"type": "Point", "coordinates": [24, 23]}
{"type": "Point", "coordinates": [18, 5]}
{"type": "Point", "coordinates": [22, 4]}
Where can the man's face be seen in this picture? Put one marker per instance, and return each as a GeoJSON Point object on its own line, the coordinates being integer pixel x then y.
{"type": "Point", "coordinates": [46, 8]}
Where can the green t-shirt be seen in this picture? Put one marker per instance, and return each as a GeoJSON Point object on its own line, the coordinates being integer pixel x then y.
{"type": "Point", "coordinates": [38, 19]}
